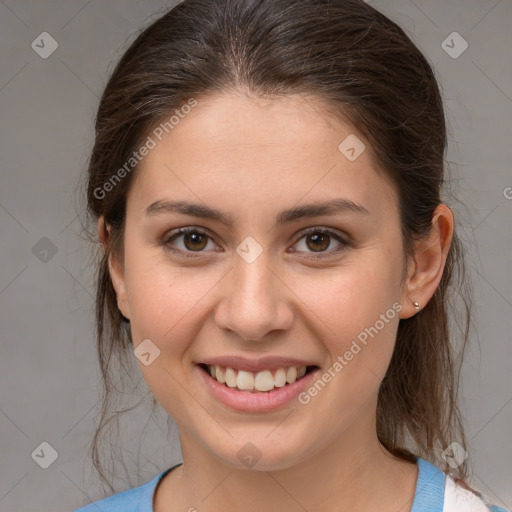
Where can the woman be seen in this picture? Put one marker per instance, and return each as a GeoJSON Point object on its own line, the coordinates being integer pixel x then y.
{"type": "Point", "coordinates": [266, 180]}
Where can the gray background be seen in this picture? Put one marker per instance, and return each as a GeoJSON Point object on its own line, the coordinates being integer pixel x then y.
{"type": "Point", "coordinates": [49, 379]}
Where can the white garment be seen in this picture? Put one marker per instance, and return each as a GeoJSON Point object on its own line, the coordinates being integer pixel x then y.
{"type": "Point", "coordinates": [458, 499]}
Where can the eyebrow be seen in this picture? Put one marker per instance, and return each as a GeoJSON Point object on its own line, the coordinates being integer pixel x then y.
{"type": "Point", "coordinates": [331, 207]}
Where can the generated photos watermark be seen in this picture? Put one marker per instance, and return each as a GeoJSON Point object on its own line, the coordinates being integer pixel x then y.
{"type": "Point", "coordinates": [342, 361]}
{"type": "Point", "coordinates": [158, 133]}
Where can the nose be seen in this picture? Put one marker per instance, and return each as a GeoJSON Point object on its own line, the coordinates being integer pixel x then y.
{"type": "Point", "coordinates": [255, 300]}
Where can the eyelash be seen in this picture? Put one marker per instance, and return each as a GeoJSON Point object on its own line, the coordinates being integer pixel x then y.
{"type": "Point", "coordinates": [345, 244]}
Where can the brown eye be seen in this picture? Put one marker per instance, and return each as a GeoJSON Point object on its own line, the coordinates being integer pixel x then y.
{"type": "Point", "coordinates": [318, 240]}
{"type": "Point", "coordinates": [193, 240]}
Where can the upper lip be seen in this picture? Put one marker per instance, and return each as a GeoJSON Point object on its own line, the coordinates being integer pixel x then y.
{"type": "Point", "coordinates": [256, 365]}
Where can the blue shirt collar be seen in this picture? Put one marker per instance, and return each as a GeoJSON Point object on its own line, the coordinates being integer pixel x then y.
{"type": "Point", "coordinates": [429, 495]}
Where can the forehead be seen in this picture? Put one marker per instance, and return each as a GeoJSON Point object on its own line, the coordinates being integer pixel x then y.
{"type": "Point", "coordinates": [233, 148]}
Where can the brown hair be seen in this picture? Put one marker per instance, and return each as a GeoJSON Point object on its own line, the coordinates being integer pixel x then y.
{"type": "Point", "coordinates": [361, 64]}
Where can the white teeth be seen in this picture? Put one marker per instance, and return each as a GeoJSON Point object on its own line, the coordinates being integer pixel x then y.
{"type": "Point", "coordinates": [245, 380]}
{"type": "Point", "coordinates": [230, 376]}
{"type": "Point", "coordinates": [219, 374]}
{"type": "Point", "coordinates": [264, 381]}
{"type": "Point", "coordinates": [280, 378]}
{"type": "Point", "coordinates": [291, 375]}
{"type": "Point", "coordinates": [259, 381]}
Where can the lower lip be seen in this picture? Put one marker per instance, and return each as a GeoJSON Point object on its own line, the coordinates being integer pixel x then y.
{"type": "Point", "coordinates": [256, 402]}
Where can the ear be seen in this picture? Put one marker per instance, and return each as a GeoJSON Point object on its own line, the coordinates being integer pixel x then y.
{"type": "Point", "coordinates": [428, 264]}
{"type": "Point", "coordinates": [115, 269]}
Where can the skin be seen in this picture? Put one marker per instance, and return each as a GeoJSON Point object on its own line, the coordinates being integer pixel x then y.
{"type": "Point", "coordinates": [251, 158]}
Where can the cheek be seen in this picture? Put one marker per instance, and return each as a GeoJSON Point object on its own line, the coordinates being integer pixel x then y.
{"type": "Point", "coordinates": [348, 299]}
{"type": "Point", "coordinates": [167, 305]}
{"type": "Point", "coordinates": [166, 302]}
{"type": "Point", "coordinates": [357, 314]}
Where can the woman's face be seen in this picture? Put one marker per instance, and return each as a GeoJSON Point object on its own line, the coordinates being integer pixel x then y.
{"type": "Point", "coordinates": [262, 287]}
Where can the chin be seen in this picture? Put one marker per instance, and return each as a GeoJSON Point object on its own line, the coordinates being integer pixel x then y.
{"type": "Point", "coordinates": [260, 453]}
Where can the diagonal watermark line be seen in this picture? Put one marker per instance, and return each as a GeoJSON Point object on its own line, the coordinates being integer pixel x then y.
{"type": "Point", "coordinates": [497, 291]}
{"type": "Point", "coordinates": [165, 165]}
{"type": "Point", "coordinates": [492, 211]}
{"type": "Point", "coordinates": [69, 224]}
{"type": "Point", "coordinates": [194, 398]}
{"type": "Point", "coordinates": [13, 217]}
{"type": "Point", "coordinates": [216, 487]}
{"type": "Point", "coordinates": [149, 459]}
{"type": "Point", "coordinates": [492, 81]}
{"type": "Point", "coordinates": [14, 423]}
{"type": "Point", "coordinates": [97, 402]}
{"type": "Point", "coordinates": [12, 280]}
{"type": "Point", "coordinates": [79, 79]}
{"type": "Point", "coordinates": [75, 15]}
{"type": "Point", "coordinates": [5, 85]}
{"type": "Point", "coordinates": [501, 409]}
{"type": "Point", "coordinates": [281, 422]}
{"type": "Point", "coordinates": [424, 13]}
{"type": "Point", "coordinates": [83, 492]}
{"type": "Point", "coordinates": [304, 195]}
{"type": "Point", "coordinates": [313, 107]}
{"type": "Point", "coordinates": [482, 482]}
{"type": "Point", "coordinates": [14, 485]}
{"type": "Point", "coordinates": [332, 332]}
{"type": "Point", "coordinates": [485, 15]}
{"type": "Point", "coordinates": [13, 13]}
{"type": "Point", "coordinates": [380, 379]}
{"type": "Point", "coordinates": [77, 281]}
{"type": "Point", "coordinates": [286, 491]}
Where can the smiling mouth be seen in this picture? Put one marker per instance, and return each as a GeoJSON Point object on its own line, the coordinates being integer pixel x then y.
{"type": "Point", "coordinates": [256, 382]}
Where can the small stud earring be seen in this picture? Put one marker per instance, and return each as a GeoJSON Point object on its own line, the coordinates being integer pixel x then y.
{"type": "Point", "coordinates": [416, 305]}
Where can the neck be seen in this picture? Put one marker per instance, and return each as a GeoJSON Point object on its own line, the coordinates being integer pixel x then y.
{"type": "Point", "coordinates": [352, 472]}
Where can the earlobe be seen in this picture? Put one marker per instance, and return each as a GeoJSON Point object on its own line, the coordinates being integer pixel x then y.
{"type": "Point", "coordinates": [115, 270]}
{"type": "Point", "coordinates": [118, 282]}
{"type": "Point", "coordinates": [428, 263]}
{"type": "Point", "coordinates": [103, 232]}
